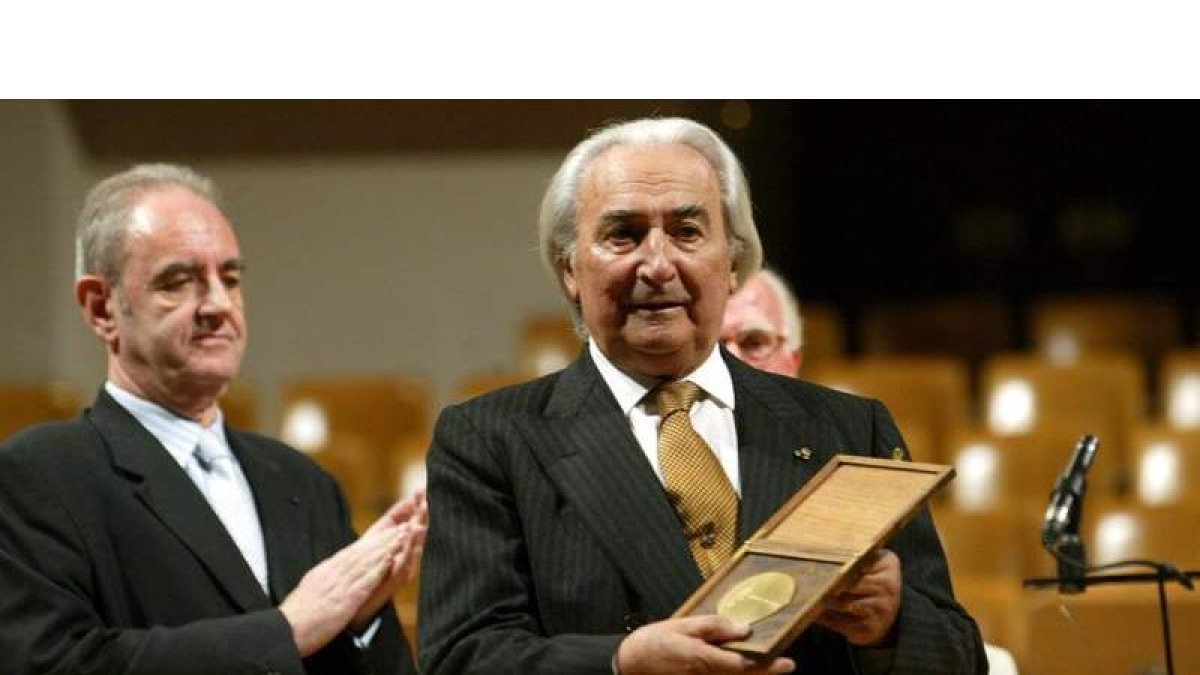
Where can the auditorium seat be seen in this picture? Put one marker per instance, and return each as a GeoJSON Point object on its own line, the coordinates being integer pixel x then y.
{"type": "Point", "coordinates": [989, 543]}
{"type": "Point", "coordinates": [548, 343]}
{"type": "Point", "coordinates": [1066, 327]}
{"type": "Point", "coordinates": [1100, 394]}
{"type": "Point", "coordinates": [919, 437]}
{"type": "Point", "coordinates": [1164, 465]}
{"type": "Point", "coordinates": [351, 460]}
{"type": "Point", "coordinates": [24, 404]}
{"type": "Point", "coordinates": [1179, 388]}
{"type": "Point", "coordinates": [970, 328]}
{"type": "Point", "coordinates": [360, 419]}
{"type": "Point", "coordinates": [928, 394]}
{"type": "Point", "coordinates": [994, 469]}
{"type": "Point", "coordinates": [407, 473]}
{"type": "Point", "coordinates": [823, 331]}
{"type": "Point", "coordinates": [476, 384]}
{"type": "Point", "coordinates": [1108, 630]}
{"type": "Point", "coordinates": [239, 405]}
{"type": "Point", "coordinates": [1118, 530]}
{"type": "Point", "coordinates": [406, 469]}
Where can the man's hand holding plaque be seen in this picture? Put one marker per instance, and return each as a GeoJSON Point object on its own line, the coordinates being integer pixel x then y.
{"type": "Point", "coordinates": [689, 645]}
{"type": "Point", "coordinates": [866, 612]}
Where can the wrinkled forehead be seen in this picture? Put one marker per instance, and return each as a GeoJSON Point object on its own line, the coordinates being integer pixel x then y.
{"type": "Point", "coordinates": [179, 224]}
{"type": "Point", "coordinates": [650, 170]}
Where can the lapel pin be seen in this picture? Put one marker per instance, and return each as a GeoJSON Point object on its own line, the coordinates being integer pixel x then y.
{"type": "Point", "coordinates": [803, 453]}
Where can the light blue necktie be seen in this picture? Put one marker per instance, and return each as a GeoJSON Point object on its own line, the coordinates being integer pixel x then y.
{"type": "Point", "coordinates": [231, 500]}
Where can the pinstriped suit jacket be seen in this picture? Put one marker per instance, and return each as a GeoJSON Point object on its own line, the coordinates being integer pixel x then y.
{"type": "Point", "coordinates": [550, 536]}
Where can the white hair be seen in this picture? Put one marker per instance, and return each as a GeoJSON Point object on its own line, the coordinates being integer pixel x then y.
{"type": "Point", "coordinates": [557, 219]}
{"type": "Point", "coordinates": [793, 323]}
{"type": "Point", "coordinates": [104, 220]}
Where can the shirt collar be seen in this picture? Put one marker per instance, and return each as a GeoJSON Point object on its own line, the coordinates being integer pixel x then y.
{"type": "Point", "coordinates": [712, 376]}
{"type": "Point", "coordinates": [179, 435]}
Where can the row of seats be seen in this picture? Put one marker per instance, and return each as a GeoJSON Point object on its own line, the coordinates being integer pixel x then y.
{"type": "Point", "coordinates": [1059, 328]}
{"type": "Point", "coordinates": [1005, 543]}
{"type": "Point", "coordinates": [1008, 421]}
{"type": "Point", "coordinates": [1036, 410]}
{"type": "Point", "coordinates": [372, 430]}
{"type": "Point", "coordinates": [1009, 431]}
{"type": "Point", "coordinates": [24, 404]}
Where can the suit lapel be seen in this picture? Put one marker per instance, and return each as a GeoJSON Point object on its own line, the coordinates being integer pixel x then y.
{"type": "Point", "coordinates": [773, 430]}
{"type": "Point", "coordinates": [160, 484]}
{"type": "Point", "coordinates": [280, 512]}
{"type": "Point", "coordinates": [585, 444]}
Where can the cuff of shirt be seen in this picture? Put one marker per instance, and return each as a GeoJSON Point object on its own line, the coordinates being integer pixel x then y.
{"type": "Point", "coordinates": [364, 641]}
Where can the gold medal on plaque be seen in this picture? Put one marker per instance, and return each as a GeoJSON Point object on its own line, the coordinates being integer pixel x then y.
{"type": "Point", "coordinates": [755, 598]}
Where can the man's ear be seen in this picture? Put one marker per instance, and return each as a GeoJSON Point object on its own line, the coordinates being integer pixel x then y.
{"type": "Point", "coordinates": [97, 300]}
{"type": "Point", "coordinates": [568, 279]}
{"type": "Point", "coordinates": [733, 281]}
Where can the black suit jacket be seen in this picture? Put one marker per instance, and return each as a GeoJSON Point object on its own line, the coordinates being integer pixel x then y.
{"type": "Point", "coordinates": [111, 560]}
{"type": "Point", "coordinates": [550, 535]}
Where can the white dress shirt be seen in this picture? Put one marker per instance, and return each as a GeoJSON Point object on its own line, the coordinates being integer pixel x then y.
{"type": "Point", "coordinates": [712, 415]}
{"type": "Point", "coordinates": [181, 436]}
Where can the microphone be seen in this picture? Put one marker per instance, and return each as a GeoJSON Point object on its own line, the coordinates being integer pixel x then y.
{"type": "Point", "coordinates": [1064, 512]}
{"type": "Point", "coordinates": [1060, 531]}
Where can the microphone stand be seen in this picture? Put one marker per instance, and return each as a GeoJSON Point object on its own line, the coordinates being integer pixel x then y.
{"type": "Point", "coordinates": [1060, 537]}
{"type": "Point", "coordinates": [1163, 573]}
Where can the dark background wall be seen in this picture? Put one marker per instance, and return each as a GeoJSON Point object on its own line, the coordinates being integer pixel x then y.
{"type": "Point", "coordinates": [865, 202]}
{"type": "Point", "coordinates": [859, 202]}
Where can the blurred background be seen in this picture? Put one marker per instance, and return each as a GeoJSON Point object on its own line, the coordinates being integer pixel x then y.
{"type": "Point", "coordinates": [1006, 276]}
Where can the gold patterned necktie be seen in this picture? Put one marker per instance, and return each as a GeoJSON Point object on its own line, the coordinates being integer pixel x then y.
{"type": "Point", "coordinates": [696, 484]}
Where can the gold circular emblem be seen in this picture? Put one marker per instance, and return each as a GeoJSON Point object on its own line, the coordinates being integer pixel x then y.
{"type": "Point", "coordinates": [755, 598]}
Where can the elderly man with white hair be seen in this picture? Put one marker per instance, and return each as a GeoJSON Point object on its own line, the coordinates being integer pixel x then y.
{"type": "Point", "coordinates": [572, 515]}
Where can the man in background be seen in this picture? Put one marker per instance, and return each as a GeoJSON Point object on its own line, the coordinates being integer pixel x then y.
{"type": "Point", "coordinates": [762, 325]}
{"type": "Point", "coordinates": [145, 536]}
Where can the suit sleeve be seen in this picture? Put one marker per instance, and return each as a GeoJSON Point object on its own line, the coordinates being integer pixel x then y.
{"type": "Point", "coordinates": [934, 634]}
{"type": "Point", "coordinates": [478, 605]}
{"type": "Point", "coordinates": [48, 620]}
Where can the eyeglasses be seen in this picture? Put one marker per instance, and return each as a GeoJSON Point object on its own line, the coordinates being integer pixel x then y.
{"type": "Point", "coordinates": [755, 343]}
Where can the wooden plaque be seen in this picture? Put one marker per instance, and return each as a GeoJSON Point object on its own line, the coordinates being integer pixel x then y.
{"type": "Point", "coordinates": [819, 538]}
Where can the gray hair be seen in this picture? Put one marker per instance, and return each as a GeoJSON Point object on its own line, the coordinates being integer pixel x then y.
{"type": "Point", "coordinates": [104, 220]}
{"type": "Point", "coordinates": [793, 323]}
{"type": "Point", "coordinates": [556, 221]}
